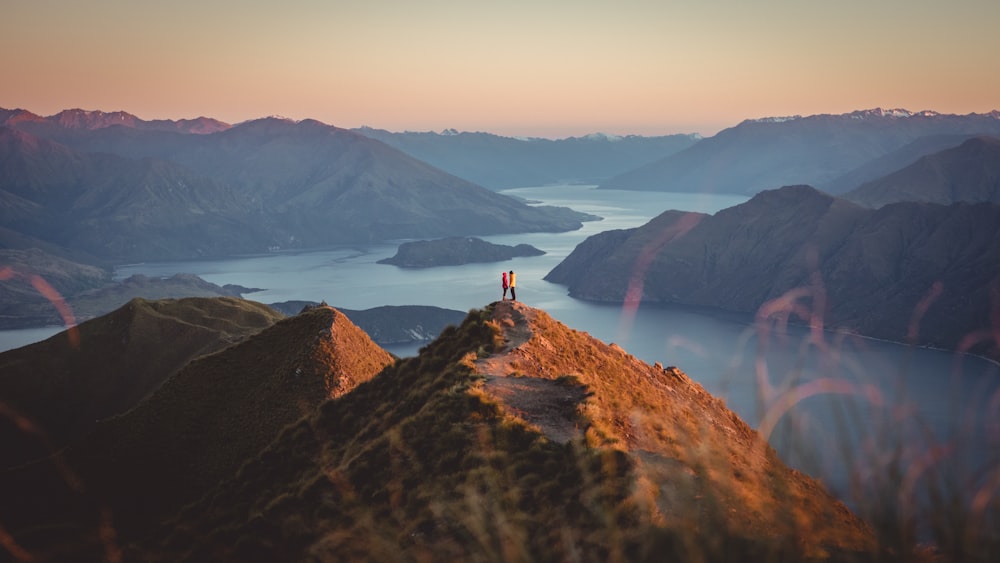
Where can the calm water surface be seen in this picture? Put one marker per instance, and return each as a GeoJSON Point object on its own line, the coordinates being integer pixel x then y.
{"type": "Point", "coordinates": [836, 406]}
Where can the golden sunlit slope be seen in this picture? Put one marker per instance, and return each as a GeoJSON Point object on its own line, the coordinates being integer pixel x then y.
{"type": "Point", "coordinates": [697, 464]}
{"type": "Point", "coordinates": [515, 438]}
{"type": "Point", "coordinates": [62, 386]}
{"type": "Point", "coordinates": [197, 429]}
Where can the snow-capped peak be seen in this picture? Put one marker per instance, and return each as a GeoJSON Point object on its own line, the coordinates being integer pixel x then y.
{"type": "Point", "coordinates": [775, 119]}
{"type": "Point", "coordinates": [879, 112]}
{"type": "Point", "coordinates": [602, 137]}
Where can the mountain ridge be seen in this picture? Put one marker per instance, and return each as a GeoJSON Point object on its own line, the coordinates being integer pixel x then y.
{"type": "Point", "coordinates": [509, 436]}
{"type": "Point", "coordinates": [127, 194]}
{"type": "Point", "coordinates": [199, 425]}
{"type": "Point", "coordinates": [968, 172]}
{"type": "Point", "coordinates": [97, 119]}
{"type": "Point", "coordinates": [827, 261]}
{"type": "Point", "coordinates": [105, 366]}
{"type": "Point", "coordinates": [458, 398]}
{"type": "Point", "coordinates": [499, 162]}
{"type": "Point", "coordinates": [816, 150]}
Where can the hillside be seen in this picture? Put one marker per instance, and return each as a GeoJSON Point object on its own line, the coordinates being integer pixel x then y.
{"type": "Point", "coordinates": [394, 324]}
{"type": "Point", "coordinates": [514, 437]}
{"type": "Point", "coordinates": [969, 172]}
{"type": "Point", "coordinates": [453, 251]}
{"type": "Point", "coordinates": [511, 437]}
{"type": "Point", "coordinates": [118, 208]}
{"type": "Point", "coordinates": [39, 289]}
{"type": "Point", "coordinates": [196, 429]}
{"type": "Point", "coordinates": [63, 385]}
{"type": "Point", "coordinates": [126, 193]}
{"type": "Point", "coordinates": [893, 161]}
{"type": "Point", "coordinates": [498, 162]}
{"type": "Point", "coordinates": [908, 272]}
{"type": "Point", "coordinates": [557, 443]}
{"type": "Point", "coordinates": [32, 282]}
{"type": "Point", "coordinates": [763, 154]}
{"type": "Point", "coordinates": [390, 324]}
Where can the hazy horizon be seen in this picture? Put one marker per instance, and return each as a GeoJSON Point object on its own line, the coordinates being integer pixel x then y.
{"type": "Point", "coordinates": [553, 70]}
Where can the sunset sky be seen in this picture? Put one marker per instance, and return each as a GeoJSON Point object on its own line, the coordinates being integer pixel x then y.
{"type": "Point", "coordinates": [538, 68]}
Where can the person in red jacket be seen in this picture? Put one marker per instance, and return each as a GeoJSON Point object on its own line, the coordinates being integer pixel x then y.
{"type": "Point", "coordinates": [503, 283]}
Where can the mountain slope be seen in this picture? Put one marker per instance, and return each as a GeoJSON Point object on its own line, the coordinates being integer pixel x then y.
{"type": "Point", "coordinates": [893, 161]}
{"type": "Point", "coordinates": [119, 208]}
{"type": "Point", "coordinates": [105, 366]}
{"type": "Point", "coordinates": [198, 428]}
{"type": "Point", "coordinates": [126, 193]}
{"type": "Point", "coordinates": [337, 185]}
{"type": "Point", "coordinates": [969, 172]}
{"type": "Point", "coordinates": [513, 437]}
{"type": "Point", "coordinates": [907, 272]}
{"type": "Point", "coordinates": [32, 282]}
{"type": "Point", "coordinates": [816, 150]}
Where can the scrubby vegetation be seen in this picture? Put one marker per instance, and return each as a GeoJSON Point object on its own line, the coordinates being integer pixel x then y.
{"type": "Point", "coordinates": [509, 438]}
{"type": "Point", "coordinates": [422, 463]}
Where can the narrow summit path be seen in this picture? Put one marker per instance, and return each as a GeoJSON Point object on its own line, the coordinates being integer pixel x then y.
{"type": "Point", "coordinates": [541, 401]}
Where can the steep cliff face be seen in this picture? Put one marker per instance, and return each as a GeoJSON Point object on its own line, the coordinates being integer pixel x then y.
{"type": "Point", "coordinates": [908, 272]}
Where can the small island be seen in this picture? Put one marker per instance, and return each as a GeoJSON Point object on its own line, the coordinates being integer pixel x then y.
{"type": "Point", "coordinates": [455, 251]}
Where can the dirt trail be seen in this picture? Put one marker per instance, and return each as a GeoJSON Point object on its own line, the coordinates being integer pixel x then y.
{"type": "Point", "coordinates": [543, 402]}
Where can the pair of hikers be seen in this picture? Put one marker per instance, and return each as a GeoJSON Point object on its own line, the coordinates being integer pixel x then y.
{"type": "Point", "coordinates": [508, 282]}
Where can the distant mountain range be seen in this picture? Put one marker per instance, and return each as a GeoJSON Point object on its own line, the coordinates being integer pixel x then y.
{"type": "Point", "coordinates": [498, 162]}
{"type": "Point", "coordinates": [511, 436]}
{"type": "Point", "coordinates": [124, 189]}
{"type": "Point", "coordinates": [908, 272]}
{"type": "Point", "coordinates": [818, 150]}
{"type": "Point", "coordinates": [84, 120]}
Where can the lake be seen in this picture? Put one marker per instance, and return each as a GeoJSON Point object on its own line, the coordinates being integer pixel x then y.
{"type": "Point", "coordinates": [837, 406]}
